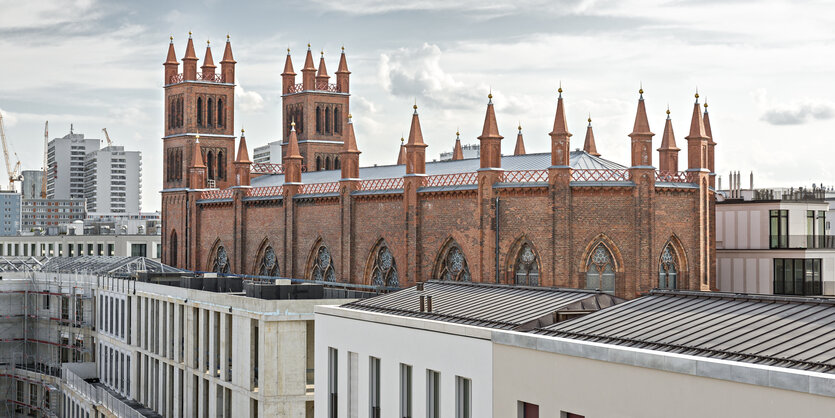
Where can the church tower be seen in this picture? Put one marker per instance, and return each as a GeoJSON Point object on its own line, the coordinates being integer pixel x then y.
{"type": "Point", "coordinates": [319, 109]}
{"type": "Point", "coordinates": [199, 105]}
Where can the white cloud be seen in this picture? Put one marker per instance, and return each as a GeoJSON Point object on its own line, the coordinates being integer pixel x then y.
{"type": "Point", "coordinates": [43, 13]}
{"type": "Point", "coordinates": [248, 101]}
{"type": "Point", "coordinates": [795, 112]}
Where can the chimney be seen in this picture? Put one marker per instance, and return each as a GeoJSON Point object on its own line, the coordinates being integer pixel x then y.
{"type": "Point", "coordinates": [751, 184]}
{"type": "Point", "coordinates": [429, 304]}
{"type": "Point", "coordinates": [422, 309]}
{"type": "Point", "coordinates": [420, 286]}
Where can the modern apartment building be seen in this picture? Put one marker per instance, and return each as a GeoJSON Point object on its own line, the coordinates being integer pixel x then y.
{"type": "Point", "coordinates": [269, 154]}
{"type": "Point", "coordinates": [67, 245]}
{"type": "Point", "coordinates": [40, 214]}
{"type": "Point", "coordinates": [9, 212]}
{"type": "Point", "coordinates": [774, 242]}
{"type": "Point", "coordinates": [481, 351]}
{"type": "Point", "coordinates": [65, 161]}
{"type": "Point", "coordinates": [113, 180]}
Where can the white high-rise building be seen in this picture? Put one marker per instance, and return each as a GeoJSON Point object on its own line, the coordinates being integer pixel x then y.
{"type": "Point", "coordinates": [65, 161]}
{"type": "Point", "coordinates": [113, 180]}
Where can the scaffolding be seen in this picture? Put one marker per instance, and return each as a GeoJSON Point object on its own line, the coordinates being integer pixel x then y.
{"type": "Point", "coordinates": [47, 320]}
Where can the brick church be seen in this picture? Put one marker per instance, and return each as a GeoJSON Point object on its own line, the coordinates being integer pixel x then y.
{"type": "Point", "coordinates": [565, 218]}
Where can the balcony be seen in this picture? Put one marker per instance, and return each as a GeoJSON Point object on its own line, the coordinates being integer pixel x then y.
{"type": "Point", "coordinates": [801, 242]}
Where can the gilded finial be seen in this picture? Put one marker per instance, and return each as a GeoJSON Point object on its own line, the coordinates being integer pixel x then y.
{"type": "Point", "coordinates": [402, 140]}
{"type": "Point", "coordinates": [293, 123]}
{"type": "Point", "coordinates": [641, 88]}
{"type": "Point", "coordinates": [189, 34]}
{"type": "Point", "coordinates": [228, 37]}
{"type": "Point", "coordinates": [197, 137]}
{"type": "Point", "coordinates": [559, 90]}
{"type": "Point", "coordinates": [242, 131]}
{"type": "Point", "coordinates": [705, 103]}
{"type": "Point", "coordinates": [171, 37]}
{"type": "Point", "coordinates": [415, 105]}
{"type": "Point", "coordinates": [668, 110]}
{"type": "Point", "coordinates": [490, 95]}
{"type": "Point", "coordinates": [308, 45]}
{"type": "Point", "coordinates": [322, 53]}
{"type": "Point", "coordinates": [349, 116]}
{"type": "Point", "coordinates": [208, 42]}
{"type": "Point", "coordinates": [519, 127]}
{"type": "Point", "coordinates": [697, 94]}
{"type": "Point", "coordinates": [589, 118]}
{"type": "Point", "coordinates": [343, 49]}
{"type": "Point", "coordinates": [288, 50]}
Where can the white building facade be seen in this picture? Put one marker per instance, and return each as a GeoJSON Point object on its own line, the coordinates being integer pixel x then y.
{"type": "Point", "coordinates": [65, 165]}
{"type": "Point", "coordinates": [113, 180]}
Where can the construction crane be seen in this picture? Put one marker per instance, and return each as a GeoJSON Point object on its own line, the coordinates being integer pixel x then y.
{"type": "Point", "coordinates": [109, 142]}
{"type": "Point", "coordinates": [13, 171]}
{"type": "Point", "coordinates": [45, 151]}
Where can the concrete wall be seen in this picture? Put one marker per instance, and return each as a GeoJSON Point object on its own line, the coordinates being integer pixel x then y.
{"type": "Point", "coordinates": [429, 348]}
{"type": "Point", "coordinates": [60, 245]}
{"type": "Point", "coordinates": [593, 388]}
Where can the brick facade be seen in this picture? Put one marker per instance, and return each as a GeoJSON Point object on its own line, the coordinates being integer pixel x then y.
{"type": "Point", "coordinates": [562, 218]}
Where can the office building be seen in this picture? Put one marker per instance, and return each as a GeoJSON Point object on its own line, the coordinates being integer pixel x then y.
{"type": "Point", "coordinates": [113, 180]}
{"type": "Point", "coordinates": [40, 215]}
{"type": "Point", "coordinates": [32, 184]}
{"type": "Point", "coordinates": [267, 154]}
{"type": "Point", "coordinates": [65, 165]}
{"type": "Point", "coordinates": [10, 213]}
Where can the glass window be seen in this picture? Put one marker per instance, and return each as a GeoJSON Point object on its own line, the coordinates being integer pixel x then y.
{"type": "Point", "coordinates": [433, 394]}
{"type": "Point", "coordinates": [374, 387]}
{"type": "Point", "coordinates": [138, 250]}
{"type": "Point", "coordinates": [454, 265]}
{"type": "Point", "coordinates": [384, 272]}
{"type": "Point", "coordinates": [601, 272]}
{"type": "Point", "coordinates": [221, 263]}
{"type": "Point", "coordinates": [668, 269]}
{"type": "Point", "coordinates": [526, 266]}
{"type": "Point", "coordinates": [779, 228]}
{"type": "Point", "coordinates": [405, 391]}
{"type": "Point", "coordinates": [269, 263]}
{"type": "Point", "coordinates": [463, 397]}
{"type": "Point", "coordinates": [333, 363]}
{"type": "Point", "coordinates": [797, 276]}
{"type": "Point", "coordinates": [323, 266]}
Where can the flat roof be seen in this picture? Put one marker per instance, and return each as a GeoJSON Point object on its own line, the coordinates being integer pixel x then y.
{"type": "Point", "coordinates": [789, 332]}
{"type": "Point", "coordinates": [487, 305]}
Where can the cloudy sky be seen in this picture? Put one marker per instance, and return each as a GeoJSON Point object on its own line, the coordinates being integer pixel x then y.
{"type": "Point", "coordinates": [765, 67]}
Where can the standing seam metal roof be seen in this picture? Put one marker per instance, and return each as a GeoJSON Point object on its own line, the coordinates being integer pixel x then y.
{"type": "Point", "coordinates": [579, 160]}
{"type": "Point", "coordinates": [486, 305]}
{"type": "Point", "coordinates": [779, 331]}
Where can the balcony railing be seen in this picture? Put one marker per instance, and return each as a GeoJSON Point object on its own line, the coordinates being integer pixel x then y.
{"type": "Point", "coordinates": [318, 86]}
{"type": "Point", "coordinates": [672, 176]}
{"type": "Point", "coordinates": [805, 242]}
{"type": "Point", "coordinates": [525, 176]}
{"type": "Point", "coordinates": [381, 184]}
{"type": "Point", "coordinates": [216, 194]}
{"type": "Point", "coordinates": [267, 168]}
{"type": "Point", "coordinates": [319, 188]}
{"type": "Point", "coordinates": [212, 78]}
{"type": "Point", "coordinates": [265, 191]}
{"type": "Point", "coordinates": [600, 175]}
{"type": "Point", "coordinates": [100, 396]}
{"type": "Point", "coordinates": [457, 179]}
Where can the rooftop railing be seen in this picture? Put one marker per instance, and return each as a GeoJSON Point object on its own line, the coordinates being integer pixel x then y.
{"type": "Point", "coordinates": [381, 184]}
{"type": "Point", "coordinates": [671, 176]}
{"type": "Point", "coordinates": [601, 175]}
{"type": "Point", "coordinates": [212, 78]}
{"type": "Point", "coordinates": [319, 86]}
{"type": "Point", "coordinates": [265, 191]}
{"type": "Point", "coordinates": [319, 188]}
{"type": "Point", "coordinates": [456, 179]}
{"type": "Point", "coordinates": [216, 194]}
{"type": "Point", "coordinates": [525, 176]}
{"type": "Point", "coordinates": [267, 168]}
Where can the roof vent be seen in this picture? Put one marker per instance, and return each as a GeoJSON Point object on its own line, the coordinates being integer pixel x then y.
{"type": "Point", "coordinates": [422, 308]}
{"type": "Point", "coordinates": [429, 304]}
{"type": "Point", "coordinates": [420, 286]}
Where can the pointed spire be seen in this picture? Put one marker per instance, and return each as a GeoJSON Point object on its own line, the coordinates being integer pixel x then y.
{"type": "Point", "coordinates": [706, 121]}
{"type": "Point", "coordinates": [491, 128]}
{"type": "Point", "coordinates": [457, 151]}
{"type": "Point", "coordinates": [343, 63]}
{"type": "Point", "coordinates": [589, 146]}
{"type": "Point", "coordinates": [668, 140]}
{"type": "Point", "coordinates": [293, 143]}
{"type": "Point", "coordinates": [197, 158]}
{"type": "Point", "coordinates": [520, 143]}
{"type": "Point", "coordinates": [401, 156]}
{"type": "Point", "coordinates": [415, 147]}
{"type": "Point", "coordinates": [490, 149]}
{"type": "Point", "coordinates": [350, 144]}
{"type": "Point", "coordinates": [560, 125]}
{"type": "Point", "coordinates": [243, 154]}
{"type": "Point", "coordinates": [697, 125]}
{"type": "Point", "coordinates": [172, 56]}
{"type": "Point", "coordinates": [227, 52]}
{"type": "Point", "coordinates": [288, 65]}
{"type": "Point", "coordinates": [641, 121]}
{"type": "Point", "coordinates": [415, 134]}
{"type": "Point", "coordinates": [208, 61]}
{"type": "Point", "coordinates": [323, 71]}
{"type": "Point", "coordinates": [308, 60]}
{"type": "Point", "coordinates": [190, 49]}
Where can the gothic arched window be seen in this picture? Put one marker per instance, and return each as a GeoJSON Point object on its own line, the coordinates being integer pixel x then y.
{"type": "Point", "coordinates": [668, 269]}
{"type": "Point", "coordinates": [300, 120]}
{"type": "Point", "coordinates": [221, 263]}
{"type": "Point", "coordinates": [337, 122]}
{"type": "Point", "coordinates": [318, 163]}
{"type": "Point", "coordinates": [328, 163]}
{"type": "Point", "coordinates": [600, 273]}
{"type": "Point", "coordinates": [526, 267]}
{"type": "Point", "coordinates": [322, 268]}
{"type": "Point", "coordinates": [172, 249]}
{"type": "Point", "coordinates": [180, 112]}
{"type": "Point", "coordinates": [454, 265]}
{"type": "Point", "coordinates": [336, 165]}
{"type": "Point", "coordinates": [220, 115]}
{"type": "Point", "coordinates": [327, 120]}
{"type": "Point", "coordinates": [318, 120]}
{"type": "Point", "coordinates": [210, 164]}
{"type": "Point", "coordinates": [384, 272]}
{"type": "Point", "coordinates": [221, 165]}
{"type": "Point", "coordinates": [210, 112]}
{"type": "Point", "coordinates": [269, 263]}
{"type": "Point", "coordinates": [200, 111]}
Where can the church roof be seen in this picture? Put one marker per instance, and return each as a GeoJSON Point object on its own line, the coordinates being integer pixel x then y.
{"type": "Point", "coordinates": [580, 160]}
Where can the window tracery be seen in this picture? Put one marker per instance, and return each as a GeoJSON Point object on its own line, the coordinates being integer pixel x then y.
{"type": "Point", "coordinates": [668, 269]}
{"type": "Point", "coordinates": [454, 265]}
{"type": "Point", "coordinates": [526, 267]}
{"type": "Point", "coordinates": [221, 262]}
{"type": "Point", "coordinates": [269, 263]}
{"type": "Point", "coordinates": [600, 273]}
{"type": "Point", "coordinates": [322, 268]}
{"type": "Point", "coordinates": [384, 272]}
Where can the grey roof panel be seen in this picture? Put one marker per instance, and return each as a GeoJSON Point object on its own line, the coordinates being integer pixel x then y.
{"type": "Point", "coordinates": [493, 306]}
{"type": "Point", "coordinates": [540, 161]}
{"type": "Point", "coordinates": [779, 331]}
